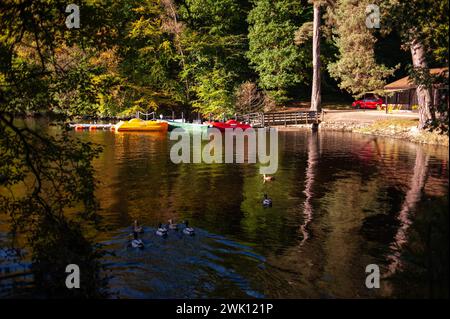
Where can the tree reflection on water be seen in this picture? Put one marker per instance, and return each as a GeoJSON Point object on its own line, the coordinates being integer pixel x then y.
{"type": "Point", "coordinates": [313, 157]}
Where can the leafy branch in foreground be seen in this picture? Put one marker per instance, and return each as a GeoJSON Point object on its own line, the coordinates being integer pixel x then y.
{"type": "Point", "coordinates": [55, 177]}
{"type": "Point", "coordinates": [47, 184]}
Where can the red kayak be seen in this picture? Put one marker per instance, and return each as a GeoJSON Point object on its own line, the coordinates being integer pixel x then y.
{"type": "Point", "coordinates": [229, 124]}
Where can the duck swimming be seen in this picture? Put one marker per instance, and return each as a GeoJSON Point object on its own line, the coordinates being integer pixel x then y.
{"type": "Point", "coordinates": [267, 202]}
{"type": "Point", "coordinates": [172, 225]}
{"type": "Point", "coordinates": [268, 178]}
{"type": "Point", "coordinates": [136, 242]}
{"type": "Point", "coordinates": [137, 228]}
{"type": "Point", "coordinates": [188, 230]}
{"type": "Point", "coordinates": [161, 231]}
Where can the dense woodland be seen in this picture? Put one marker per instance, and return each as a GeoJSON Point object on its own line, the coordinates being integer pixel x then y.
{"type": "Point", "coordinates": [215, 57]}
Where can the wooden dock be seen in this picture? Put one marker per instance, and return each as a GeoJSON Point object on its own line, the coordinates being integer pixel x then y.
{"type": "Point", "coordinates": [255, 119]}
{"type": "Point", "coordinates": [281, 118]}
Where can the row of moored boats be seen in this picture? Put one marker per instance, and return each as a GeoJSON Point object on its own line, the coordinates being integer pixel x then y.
{"type": "Point", "coordinates": [139, 125]}
{"type": "Point", "coordinates": [164, 125]}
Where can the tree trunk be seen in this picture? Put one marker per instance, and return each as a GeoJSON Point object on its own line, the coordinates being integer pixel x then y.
{"type": "Point", "coordinates": [177, 29]}
{"type": "Point", "coordinates": [316, 94]}
{"type": "Point", "coordinates": [423, 93]}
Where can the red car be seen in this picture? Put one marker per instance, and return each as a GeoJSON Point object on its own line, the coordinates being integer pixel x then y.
{"type": "Point", "coordinates": [368, 103]}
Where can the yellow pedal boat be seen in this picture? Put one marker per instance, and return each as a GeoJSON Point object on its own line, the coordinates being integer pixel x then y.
{"type": "Point", "coordinates": [138, 125]}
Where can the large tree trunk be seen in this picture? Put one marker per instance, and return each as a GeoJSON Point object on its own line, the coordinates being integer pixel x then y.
{"type": "Point", "coordinates": [316, 94]}
{"type": "Point", "coordinates": [423, 93]}
{"type": "Point", "coordinates": [176, 28]}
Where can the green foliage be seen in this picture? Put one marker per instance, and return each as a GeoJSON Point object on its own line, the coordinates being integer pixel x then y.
{"type": "Point", "coordinates": [356, 68]}
{"type": "Point", "coordinates": [57, 176]}
{"type": "Point", "coordinates": [426, 36]}
{"type": "Point", "coordinates": [41, 64]}
{"type": "Point", "coordinates": [173, 49]}
{"type": "Point", "coordinates": [46, 67]}
{"type": "Point", "coordinates": [160, 51]}
{"type": "Point", "coordinates": [279, 63]}
{"type": "Point", "coordinates": [214, 42]}
{"type": "Point", "coordinates": [213, 93]}
{"type": "Point", "coordinates": [425, 20]}
{"type": "Point", "coordinates": [150, 63]}
{"type": "Point", "coordinates": [216, 17]}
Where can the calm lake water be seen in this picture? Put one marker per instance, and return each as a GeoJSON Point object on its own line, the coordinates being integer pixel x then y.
{"type": "Point", "coordinates": [341, 201]}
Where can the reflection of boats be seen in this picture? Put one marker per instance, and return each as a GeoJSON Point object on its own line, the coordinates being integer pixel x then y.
{"type": "Point", "coordinates": [141, 125]}
{"type": "Point", "coordinates": [91, 127]}
{"type": "Point", "coordinates": [230, 124]}
{"type": "Point", "coordinates": [187, 126]}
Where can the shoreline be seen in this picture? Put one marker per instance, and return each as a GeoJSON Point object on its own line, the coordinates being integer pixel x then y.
{"type": "Point", "coordinates": [399, 132]}
{"type": "Point", "coordinates": [398, 125]}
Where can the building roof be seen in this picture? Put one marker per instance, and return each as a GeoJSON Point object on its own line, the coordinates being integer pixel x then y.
{"type": "Point", "coordinates": [406, 84]}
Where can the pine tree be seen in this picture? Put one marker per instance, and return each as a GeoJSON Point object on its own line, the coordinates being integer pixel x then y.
{"type": "Point", "coordinates": [356, 67]}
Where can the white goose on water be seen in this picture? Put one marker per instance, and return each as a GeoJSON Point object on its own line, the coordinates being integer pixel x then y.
{"type": "Point", "coordinates": [136, 242]}
{"type": "Point", "coordinates": [188, 230]}
{"type": "Point", "coordinates": [267, 202]}
{"type": "Point", "coordinates": [161, 231]}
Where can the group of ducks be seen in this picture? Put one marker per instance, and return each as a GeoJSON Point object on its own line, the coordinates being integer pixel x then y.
{"type": "Point", "coordinates": [162, 231]}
